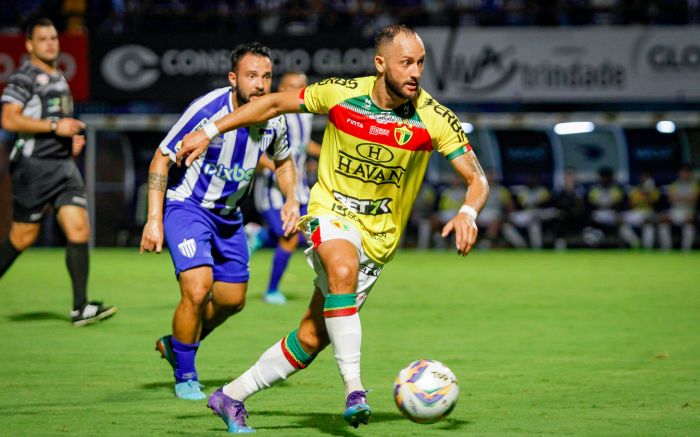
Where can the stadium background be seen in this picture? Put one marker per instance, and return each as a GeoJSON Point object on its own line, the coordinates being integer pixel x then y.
{"type": "Point", "coordinates": [512, 70]}
{"type": "Point", "coordinates": [597, 343]}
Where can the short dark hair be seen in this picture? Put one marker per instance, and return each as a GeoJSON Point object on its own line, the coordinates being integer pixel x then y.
{"type": "Point", "coordinates": [388, 33]}
{"type": "Point", "coordinates": [37, 22]}
{"type": "Point", "coordinates": [252, 48]}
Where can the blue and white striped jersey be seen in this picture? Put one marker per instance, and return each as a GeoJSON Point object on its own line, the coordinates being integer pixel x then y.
{"type": "Point", "coordinates": [221, 178]}
{"type": "Point", "coordinates": [267, 193]}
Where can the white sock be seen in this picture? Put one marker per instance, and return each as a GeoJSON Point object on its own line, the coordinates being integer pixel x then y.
{"type": "Point", "coordinates": [345, 332]}
{"type": "Point", "coordinates": [279, 362]}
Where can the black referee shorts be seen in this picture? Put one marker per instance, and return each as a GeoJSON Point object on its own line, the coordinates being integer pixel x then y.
{"type": "Point", "coordinates": [39, 182]}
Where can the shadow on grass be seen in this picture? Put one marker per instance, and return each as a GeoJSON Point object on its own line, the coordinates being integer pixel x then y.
{"type": "Point", "coordinates": [208, 384]}
{"type": "Point", "coordinates": [38, 315]}
{"type": "Point", "coordinates": [333, 424]}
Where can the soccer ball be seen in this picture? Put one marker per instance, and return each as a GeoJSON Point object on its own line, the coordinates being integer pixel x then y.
{"type": "Point", "coordinates": [426, 391]}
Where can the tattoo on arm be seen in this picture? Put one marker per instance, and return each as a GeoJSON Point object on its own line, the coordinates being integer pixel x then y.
{"type": "Point", "coordinates": [474, 164]}
{"type": "Point", "coordinates": [157, 181]}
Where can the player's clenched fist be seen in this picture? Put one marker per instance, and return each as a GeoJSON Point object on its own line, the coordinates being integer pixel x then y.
{"type": "Point", "coordinates": [68, 127]}
{"type": "Point", "coordinates": [193, 145]}
{"type": "Point", "coordinates": [152, 237]}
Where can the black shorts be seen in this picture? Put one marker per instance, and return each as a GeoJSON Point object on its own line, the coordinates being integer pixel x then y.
{"type": "Point", "coordinates": [38, 183]}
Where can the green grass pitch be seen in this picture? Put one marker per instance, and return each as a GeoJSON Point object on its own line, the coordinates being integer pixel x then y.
{"type": "Point", "coordinates": [581, 343]}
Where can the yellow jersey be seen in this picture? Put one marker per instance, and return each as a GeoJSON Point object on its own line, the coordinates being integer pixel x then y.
{"type": "Point", "coordinates": [373, 160]}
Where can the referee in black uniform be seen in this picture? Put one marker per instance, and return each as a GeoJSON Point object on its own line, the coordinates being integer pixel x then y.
{"type": "Point", "coordinates": [38, 106]}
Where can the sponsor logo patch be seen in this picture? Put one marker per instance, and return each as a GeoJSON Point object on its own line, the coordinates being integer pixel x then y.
{"type": "Point", "coordinates": [374, 152]}
{"type": "Point", "coordinates": [375, 130]}
{"type": "Point", "coordinates": [355, 123]}
{"type": "Point", "coordinates": [364, 206]}
{"type": "Point", "coordinates": [368, 171]}
{"type": "Point", "coordinates": [236, 173]}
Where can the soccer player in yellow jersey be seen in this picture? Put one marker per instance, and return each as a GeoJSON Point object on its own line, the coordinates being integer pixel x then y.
{"type": "Point", "coordinates": [375, 151]}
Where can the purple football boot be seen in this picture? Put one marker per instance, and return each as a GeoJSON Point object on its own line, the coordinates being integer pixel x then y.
{"type": "Point", "coordinates": [231, 411]}
{"type": "Point", "coordinates": [356, 409]}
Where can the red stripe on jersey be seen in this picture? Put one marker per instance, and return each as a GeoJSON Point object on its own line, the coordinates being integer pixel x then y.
{"type": "Point", "coordinates": [368, 129]}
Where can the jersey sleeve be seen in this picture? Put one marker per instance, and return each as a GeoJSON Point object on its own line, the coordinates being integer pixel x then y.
{"type": "Point", "coordinates": [450, 139]}
{"type": "Point", "coordinates": [279, 149]}
{"type": "Point", "coordinates": [320, 97]}
{"type": "Point", "coordinates": [18, 89]}
{"type": "Point", "coordinates": [198, 114]}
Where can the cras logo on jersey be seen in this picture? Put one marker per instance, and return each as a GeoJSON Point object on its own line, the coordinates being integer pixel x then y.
{"type": "Point", "coordinates": [364, 206]}
{"type": "Point", "coordinates": [235, 174]}
{"type": "Point", "coordinates": [347, 83]}
{"type": "Point", "coordinates": [445, 112]}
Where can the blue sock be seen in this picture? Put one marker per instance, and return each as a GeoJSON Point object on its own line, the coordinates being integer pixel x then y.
{"type": "Point", "coordinates": [279, 265]}
{"type": "Point", "coordinates": [184, 355]}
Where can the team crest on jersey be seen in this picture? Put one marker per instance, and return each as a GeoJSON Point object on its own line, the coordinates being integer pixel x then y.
{"type": "Point", "coordinates": [188, 247]}
{"type": "Point", "coordinates": [402, 135]}
{"type": "Point", "coordinates": [340, 225]}
{"type": "Point", "coordinates": [42, 79]}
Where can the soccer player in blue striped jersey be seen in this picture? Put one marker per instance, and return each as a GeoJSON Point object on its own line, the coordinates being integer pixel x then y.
{"type": "Point", "coordinates": [196, 210]}
{"type": "Point", "coordinates": [269, 198]}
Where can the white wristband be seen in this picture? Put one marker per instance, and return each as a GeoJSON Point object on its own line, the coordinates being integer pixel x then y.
{"type": "Point", "coordinates": [468, 210]}
{"type": "Point", "coordinates": [211, 130]}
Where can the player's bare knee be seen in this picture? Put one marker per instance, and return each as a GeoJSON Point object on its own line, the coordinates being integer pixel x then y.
{"type": "Point", "coordinates": [233, 306]}
{"type": "Point", "coordinates": [342, 277]}
{"type": "Point", "coordinates": [196, 296]}
{"type": "Point", "coordinates": [21, 239]}
{"type": "Point", "coordinates": [78, 231]}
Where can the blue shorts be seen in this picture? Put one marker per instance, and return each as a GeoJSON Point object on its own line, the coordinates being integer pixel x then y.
{"type": "Point", "coordinates": [197, 237]}
{"type": "Point", "coordinates": [274, 221]}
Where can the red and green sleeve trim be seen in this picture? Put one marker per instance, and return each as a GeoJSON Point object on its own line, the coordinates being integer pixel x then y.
{"type": "Point", "coordinates": [294, 353]}
{"type": "Point", "coordinates": [461, 151]}
{"type": "Point", "coordinates": [340, 305]}
{"type": "Point", "coordinates": [301, 100]}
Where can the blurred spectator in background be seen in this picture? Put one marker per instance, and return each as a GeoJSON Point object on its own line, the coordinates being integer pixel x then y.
{"type": "Point", "coordinates": [420, 220]}
{"type": "Point", "coordinates": [451, 199]}
{"type": "Point", "coordinates": [605, 200]}
{"type": "Point", "coordinates": [532, 201]}
{"type": "Point", "coordinates": [492, 218]}
{"type": "Point", "coordinates": [642, 201]}
{"type": "Point", "coordinates": [683, 200]}
{"type": "Point", "coordinates": [570, 204]}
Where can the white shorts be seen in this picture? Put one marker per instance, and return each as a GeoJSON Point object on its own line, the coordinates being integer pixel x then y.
{"type": "Point", "coordinates": [637, 217]}
{"type": "Point", "coordinates": [318, 229]}
{"type": "Point", "coordinates": [681, 216]}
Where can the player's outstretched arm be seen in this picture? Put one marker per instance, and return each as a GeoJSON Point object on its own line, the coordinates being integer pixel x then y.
{"type": "Point", "coordinates": [464, 223]}
{"type": "Point", "coordinates": [14, 121]}
{"type": "Point", "coordinates": [152, 237]}
{"type": "Point", "coordinates": [287, 180]}
{"type": "Point", "coordinates": [256, 111]}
